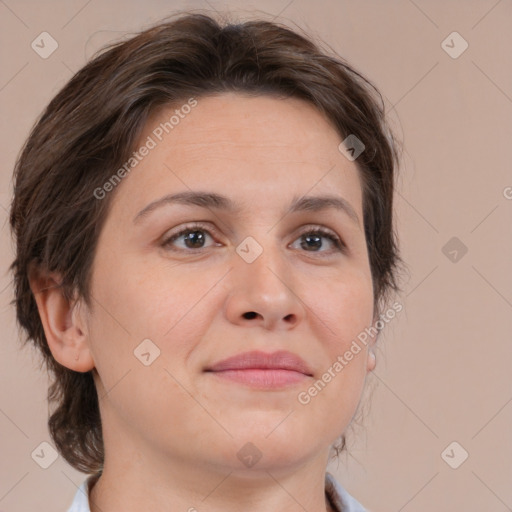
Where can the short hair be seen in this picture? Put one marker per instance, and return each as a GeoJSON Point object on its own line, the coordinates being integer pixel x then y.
{"type": "Point", "coordinates": [91, 126]}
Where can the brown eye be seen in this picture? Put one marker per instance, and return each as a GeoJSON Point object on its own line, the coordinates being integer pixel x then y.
{"type": "Point", "coordinates": [312, 240]}
{"type": "Point", "coordinates": [193, 238]}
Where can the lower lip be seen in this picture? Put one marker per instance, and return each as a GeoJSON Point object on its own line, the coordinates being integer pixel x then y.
{"type": "Point", "coordinates": [263, 379]}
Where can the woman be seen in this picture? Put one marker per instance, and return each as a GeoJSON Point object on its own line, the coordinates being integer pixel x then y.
{"type": "Point", "coordinates": [204, 248]}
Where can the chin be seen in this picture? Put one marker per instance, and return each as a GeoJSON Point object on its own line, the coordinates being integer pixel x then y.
{"type": "Point", "coordinates": [269, 449]}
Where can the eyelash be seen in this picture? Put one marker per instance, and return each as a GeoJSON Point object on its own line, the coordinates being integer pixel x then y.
{"type": "Point", "coordinates": [319, 230]}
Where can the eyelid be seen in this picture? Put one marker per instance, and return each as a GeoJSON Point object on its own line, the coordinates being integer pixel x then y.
{"type": "Point", "coordinates": [190, 226]}
{"type": "Point", "coordinates": [326, 232]}
{"type": "Point", "coordinates": [308, 228]}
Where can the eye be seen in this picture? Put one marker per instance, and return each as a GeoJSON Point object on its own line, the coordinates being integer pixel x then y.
{"type": "Point", "coordinates": [311, 239]}
{"type": "Point", "coordinates": [194, 237]}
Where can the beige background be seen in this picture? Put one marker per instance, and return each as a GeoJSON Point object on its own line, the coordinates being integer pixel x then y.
{"type": "Point", "coordinates": [443, 371]}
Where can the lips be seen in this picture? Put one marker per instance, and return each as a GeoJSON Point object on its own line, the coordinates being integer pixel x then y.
{"type": "Point", "coordinates": [261, 370]}
{"type": "Point", "coordinates": [257, 360]}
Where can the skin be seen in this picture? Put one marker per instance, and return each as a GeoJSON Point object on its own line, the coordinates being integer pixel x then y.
{"type": "Point", "coordinates": [171, 430]}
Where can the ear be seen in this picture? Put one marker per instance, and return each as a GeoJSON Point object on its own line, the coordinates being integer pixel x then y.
{"type": "Point", "coordinates": [63, 322]}
{"type": "Point", "coordinates": [371, 361]}
{"type": "Point", "coordinates": [371, 357]}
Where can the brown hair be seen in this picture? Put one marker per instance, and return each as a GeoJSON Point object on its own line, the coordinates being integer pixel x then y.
{"type": "Point", "coordinates": [91, 126]}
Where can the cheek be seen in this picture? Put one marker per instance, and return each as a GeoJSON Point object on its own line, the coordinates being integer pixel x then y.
{"type": "Point", "coordinates": [173, 301]}
{"type": "Point", "coordinates": [345, 309]}
{"type": "Point", "coordinates": [345, 306]}
{"type": "Point", "coordinates": [131, 306]}
{"type": "Point", "coordinates": [148, 296]}
{"type": "Point", "coordinates": [160, 300]}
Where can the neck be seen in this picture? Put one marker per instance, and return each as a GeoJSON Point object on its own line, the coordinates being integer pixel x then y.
{"type": "Point", "coordinates": [135, 487]}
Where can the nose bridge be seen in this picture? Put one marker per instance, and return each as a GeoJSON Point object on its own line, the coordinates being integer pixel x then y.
{"type": "Point", "coordinates": [262, 286]}
{"type": "Point", "coordinates": [263, 260]}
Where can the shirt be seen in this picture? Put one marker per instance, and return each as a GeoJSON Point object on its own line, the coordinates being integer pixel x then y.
{"type": "Point", "coordinates": [340, 499]}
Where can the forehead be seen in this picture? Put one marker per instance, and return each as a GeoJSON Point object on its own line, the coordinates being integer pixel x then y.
{"type": "Point", "coordinates": [251, 147]}
{"type": "Point", "coordinates": [234, 119]}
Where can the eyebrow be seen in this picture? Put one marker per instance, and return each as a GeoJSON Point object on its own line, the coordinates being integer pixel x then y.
{"type": "Point", "coordinates": [211, 200]}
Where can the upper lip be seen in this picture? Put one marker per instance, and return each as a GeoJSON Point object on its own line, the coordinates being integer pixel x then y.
{"type": "Point", "coordinates": [280, 360]}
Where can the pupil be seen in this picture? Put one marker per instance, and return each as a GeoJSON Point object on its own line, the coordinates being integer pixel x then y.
{"type": "Point", "coordinates": [199, 238]}
{"type": "Point", "coordinates": [317, 240]}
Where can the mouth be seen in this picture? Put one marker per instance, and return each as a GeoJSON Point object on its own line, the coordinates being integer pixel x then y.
{"type": "Point", "coordinates": [262, 370]}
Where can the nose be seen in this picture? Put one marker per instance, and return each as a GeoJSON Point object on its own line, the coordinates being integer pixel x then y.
{"type": "Point", "coordinates": [261, 293]}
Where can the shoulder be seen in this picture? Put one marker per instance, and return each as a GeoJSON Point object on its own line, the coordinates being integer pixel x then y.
{"type": "Point", "coordinates": [81, 499]}
{"type": "Point", "coordinates": [339, 496]}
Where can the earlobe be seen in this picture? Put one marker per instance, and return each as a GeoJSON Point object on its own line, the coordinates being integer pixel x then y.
{"type": "Point", "coordinates": [372, 361]}
{"type": "Point", "coordinates": [64, 326]}
{"type": "Point", "coordinates": [371, 357]}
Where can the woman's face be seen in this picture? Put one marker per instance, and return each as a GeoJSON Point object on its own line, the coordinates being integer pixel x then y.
{"type": "Point", "coordinates": [255, 276]}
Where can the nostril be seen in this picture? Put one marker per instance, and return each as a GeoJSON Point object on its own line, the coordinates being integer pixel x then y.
{"type": "Point", "coordinates": [249, 315]}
